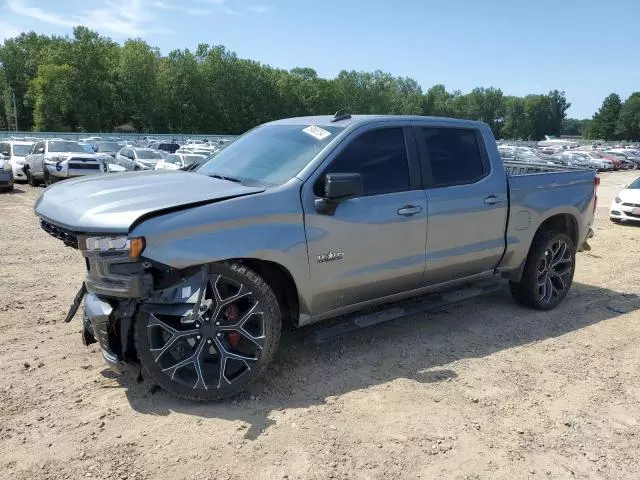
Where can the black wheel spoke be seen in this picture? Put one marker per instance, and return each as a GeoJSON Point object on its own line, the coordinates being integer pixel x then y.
{"type": "Point", "coordinates": [175, 336]}
{"type": "Point", "coordinates": [212, 343]}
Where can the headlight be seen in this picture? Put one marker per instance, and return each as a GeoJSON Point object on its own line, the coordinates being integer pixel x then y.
{"type": "Point", "coordinates": [7, 167]}
{"type": "Point", "coordinates": [134, 246]}
{"type": "Point", "coordinates": [617, 200]}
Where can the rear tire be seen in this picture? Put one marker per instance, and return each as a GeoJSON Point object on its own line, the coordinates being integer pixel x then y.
{"type": "Point", "coordinates": [224, 349]}
{"type": "Point", "coordinates": [548, 272]}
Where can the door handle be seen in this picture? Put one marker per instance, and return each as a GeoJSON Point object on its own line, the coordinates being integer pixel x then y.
{"type": "Point", "coordinates": [409, 210]}
{"type": "Point", "coordinates": [493, 200]}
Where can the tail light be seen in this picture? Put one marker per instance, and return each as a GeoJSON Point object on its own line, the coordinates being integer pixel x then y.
{"type": "Point", "coordinates": [596, 182]}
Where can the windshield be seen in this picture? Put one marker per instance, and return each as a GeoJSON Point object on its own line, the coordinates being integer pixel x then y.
{"type": "Point", "coordinates": [108, 147]}
{"type": "Point", "coordinates": [173, 159]}
{"type": "Point", "coordinates": [64, 146]}
{"type": "Point", "coordinates": [148, 155]}
{"type": "Point", "coordinates": [270, 154]}
{"type": "Point", "coordinates": [635, 185]}
{"type": "Point", "coordinates": [21, 150]}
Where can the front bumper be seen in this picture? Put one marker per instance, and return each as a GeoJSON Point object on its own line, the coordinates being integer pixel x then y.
{"type": "Point", "coordinates": [66, 171]}
{"type": "Point", "coordinates": [618, 211]}
{"type": "Point", "coordinates": [98, 320]}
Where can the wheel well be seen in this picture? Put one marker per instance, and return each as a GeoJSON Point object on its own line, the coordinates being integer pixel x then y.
{"type": "Point", "coordinates": [561, 223]}
{"type": "Point", "coordinates": [283, 285]}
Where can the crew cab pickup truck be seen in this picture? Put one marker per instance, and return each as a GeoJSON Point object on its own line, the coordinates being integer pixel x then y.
{"type": "Point", "coordinates": [191, 275]}
{"type": "Point", "coordinates": [53, 160]}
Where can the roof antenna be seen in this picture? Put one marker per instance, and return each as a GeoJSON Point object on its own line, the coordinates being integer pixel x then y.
{"type": "Point", "coordinates": [340, 115]}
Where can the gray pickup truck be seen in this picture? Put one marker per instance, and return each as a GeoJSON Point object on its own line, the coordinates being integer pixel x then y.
{"type": "Point", "coordinates": [191, 275]}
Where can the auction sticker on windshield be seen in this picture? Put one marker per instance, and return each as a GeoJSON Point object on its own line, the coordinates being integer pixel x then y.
{"type": "Point", "coordinates": [316, 132]}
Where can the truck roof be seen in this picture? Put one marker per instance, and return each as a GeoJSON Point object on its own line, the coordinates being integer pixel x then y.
{"type": "Point", "coordinates": [364, 119]}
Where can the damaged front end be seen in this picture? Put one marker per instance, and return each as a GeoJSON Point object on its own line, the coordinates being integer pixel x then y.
{"type": "Point", "coordinates": [118, 282]}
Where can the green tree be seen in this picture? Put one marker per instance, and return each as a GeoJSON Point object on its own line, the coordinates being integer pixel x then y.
{"type": "Point", "coordinates": [628, 126]}
{"type": "Point", "coordinates": [52, 92]}
{"type": "Point", "coordinates": [514, 126]}
{"type": "Point", "coordinates": [558, 107]}
{"type": "Point", "coordinates": [605, 120]}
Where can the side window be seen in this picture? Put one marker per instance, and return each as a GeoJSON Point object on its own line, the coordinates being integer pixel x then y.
{"type": "Point", "coordinates": [379, 156]}
{"type": "Point", "coordinates": [4, 149]}
{"type": "Point", "coordinates": [454, 155]}
{"type": "Point", "coordinates": [39, 148]}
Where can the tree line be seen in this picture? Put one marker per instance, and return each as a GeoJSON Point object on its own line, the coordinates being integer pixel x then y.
{"type": "Point", "coordinates": [89, 83]}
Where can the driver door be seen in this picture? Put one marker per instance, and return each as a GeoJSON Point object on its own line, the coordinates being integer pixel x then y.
{"type": "Point", "coordinates": [372, 246]}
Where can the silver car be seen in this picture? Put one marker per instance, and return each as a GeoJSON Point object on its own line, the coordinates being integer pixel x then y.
{"type": "Point", "coordinates": [132, 158]}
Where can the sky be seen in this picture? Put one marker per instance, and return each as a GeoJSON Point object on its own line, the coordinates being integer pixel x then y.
{"type": "Point", "coordinates": [587, 48]}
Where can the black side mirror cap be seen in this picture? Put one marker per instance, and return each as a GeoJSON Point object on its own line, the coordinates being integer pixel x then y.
{"type": "Point", "coordinates": [338, 187]}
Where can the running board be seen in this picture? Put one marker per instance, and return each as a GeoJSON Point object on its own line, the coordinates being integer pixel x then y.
{"type": "Point", "coordinates": [403, 309]}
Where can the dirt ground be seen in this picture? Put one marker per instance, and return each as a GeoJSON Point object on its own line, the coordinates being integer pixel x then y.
{"type": "Point", "coordinates": [484, 390]}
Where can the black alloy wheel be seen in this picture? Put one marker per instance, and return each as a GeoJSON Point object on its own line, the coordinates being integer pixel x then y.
{"type": "Point", "coordinates": [548, 271]}
{"type": "Point", "coordinates": [215, 348]}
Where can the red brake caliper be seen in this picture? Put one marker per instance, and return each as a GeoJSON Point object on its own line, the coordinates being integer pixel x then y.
{"type": "Point", "coordinates": [232, 314]}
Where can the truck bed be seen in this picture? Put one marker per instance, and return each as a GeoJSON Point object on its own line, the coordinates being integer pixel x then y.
{"type": "Point", "coordinates": [524, 168]}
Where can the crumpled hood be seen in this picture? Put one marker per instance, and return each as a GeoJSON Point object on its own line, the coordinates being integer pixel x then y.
{"type": "Point", "coordinates": [113, 202]}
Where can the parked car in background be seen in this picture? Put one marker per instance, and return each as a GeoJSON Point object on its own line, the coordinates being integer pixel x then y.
{"type": "Point", "coordinates": [53, 160]}
{"type": "Point", "coordinates": [15, 151]}
{"type": "Point", "coordinates": [178, 161]}
{"type": "Point", "coordinates": [626, 205]}
{"type": "Point", "coordinates": [137, 158]}
{"type": "Point", "coordinates": [629, 160]}
{"type": "Point", "coordinates": [596, 163]}
{"type": "Point", "coordinates": [108, 148]}
{"type": "Point", "coordinates": [169, 147]}
{"type": "Point", "coordinates": [6, 173]}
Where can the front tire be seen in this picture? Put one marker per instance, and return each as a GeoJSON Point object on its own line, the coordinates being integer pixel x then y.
{"type": "Point", "coordinates": [228, 344]}
{"type": "Point", "coordinates": [30, 179]}
{"type": "Point", "coordinates": [548, 271]}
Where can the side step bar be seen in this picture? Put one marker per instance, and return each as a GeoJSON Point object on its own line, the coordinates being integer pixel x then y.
{"type": "Point", "coordinates": [406, 308]}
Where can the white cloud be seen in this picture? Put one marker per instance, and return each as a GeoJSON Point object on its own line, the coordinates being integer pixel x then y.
{"type": "Point", "coordinates": [8, 31]}
{"type": "Point", "coordinates": [17, 6]}
{"type": "Point", "coordinates": [124, 18]}
{"type": "Point", "coordinates": [198, 12]}
{"type": "Point", "coordinates": [259, 8]}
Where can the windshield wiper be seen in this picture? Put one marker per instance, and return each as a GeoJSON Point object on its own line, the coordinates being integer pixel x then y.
{"type": "Point", "coordinates": [223, 177]}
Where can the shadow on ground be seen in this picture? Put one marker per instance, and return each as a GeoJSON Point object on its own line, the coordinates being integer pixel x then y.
{"type": "Point", "coordinates": [418, 348]}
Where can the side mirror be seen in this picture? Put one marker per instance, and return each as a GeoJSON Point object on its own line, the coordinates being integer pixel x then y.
{"type": "Point", "coordinates": [40, 150]}
{"type": "Point", "coordinates": [337, 188]}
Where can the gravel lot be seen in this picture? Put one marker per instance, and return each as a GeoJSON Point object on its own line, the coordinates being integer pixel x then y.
{"type": "Point", "coordinates": [482, 390]}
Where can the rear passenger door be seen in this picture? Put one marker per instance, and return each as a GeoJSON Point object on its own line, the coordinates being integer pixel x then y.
{"type": "Point", "coordinates": [467, 204]}
{"type": "Point", "coordinates": [373, 245]}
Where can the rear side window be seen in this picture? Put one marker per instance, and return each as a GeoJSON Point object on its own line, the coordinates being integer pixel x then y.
{"type": "Point", "coordinates": [454, 156]}
{"type": "Point", "coordinates": [379, 156]}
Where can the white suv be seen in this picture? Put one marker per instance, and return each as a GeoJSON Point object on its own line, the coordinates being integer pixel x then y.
{"type": "Point", "coordinates": [16, 151]}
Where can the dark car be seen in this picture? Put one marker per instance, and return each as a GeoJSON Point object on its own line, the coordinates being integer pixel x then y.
{"type": "Point", "coordinates": [167, 147]}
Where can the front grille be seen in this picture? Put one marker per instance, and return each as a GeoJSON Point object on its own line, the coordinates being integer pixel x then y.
{"type": "Point", "coordinates": [84, 166]}
{"type": "Point", "coordinates": [69, 238]}
{"type": "Point", "coordinates": [631, 204]}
